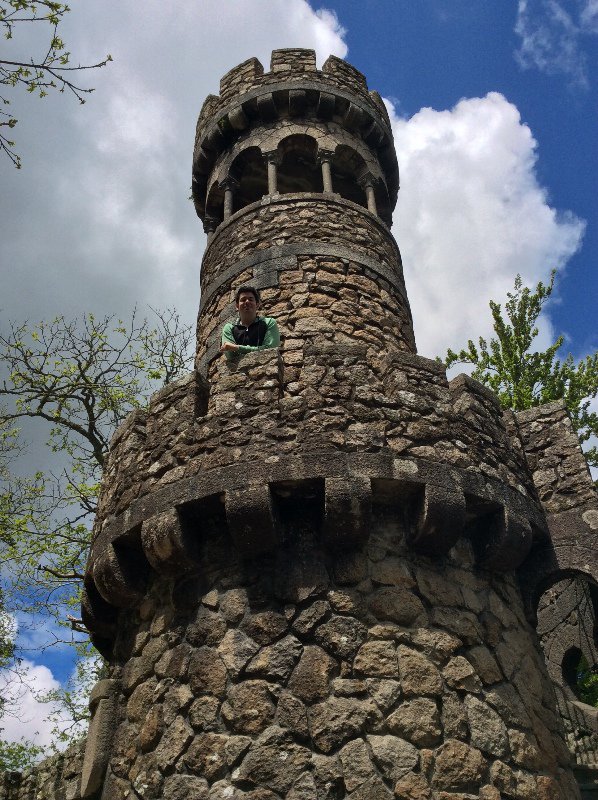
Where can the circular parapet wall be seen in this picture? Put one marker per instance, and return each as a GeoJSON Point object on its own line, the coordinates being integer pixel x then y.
{"type": "Point", "coordinates": [367, 671]}
{"type": "Point", "coordinates": [363, 432]}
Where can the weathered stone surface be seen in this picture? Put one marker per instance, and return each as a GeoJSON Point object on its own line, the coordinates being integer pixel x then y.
{"type": "Point", "coordinates": [273, 761]}
{"type": "Point", "coordinates": [488, 731]}
{"type": "Point", "coordinates": [182, 787]}
{"type": "Point", "coordinates": [459, 674]}
{"type": "Point", "coordinates": [233, 605]}
{"type": "Point", "coordinates": [454, 717]}
{"type": "Point", "coordinates": [357, 764]}
{"type": "Point", "coordinates": [458, 767]}
{"type": "Point", "coordinates": [373, 789]}
{"type": "Point", "coordinates": [276, 661]}
{"type": "Point", "coordinates": [394, 756]}
{"type": "Point", "coordinates": [378, 659]}
{"type": "Point", "coordinates": [485, 664]}
{"type": "Point", "coordinates": [418, 674]}
{"type": "Point", "coordinates": [306, 621]}
{"type": "Point", "coordinates": [208, 628]}
{"type": "Point", "coordinates": [418, 721]}
{"type": "Point", "coordinates": [236, 649]}
{"type": "Point", "coordinates": [207, 755]}
{"type": "Point", "coordinates": [392, 572]}
{"type": "Point", "coordinates": [341, 636]}
{"type": "Point", "coordinates": [173, 743]}
{"type": "Point", "coordinates": [250, 708]}
{"type": "Point", "coordinates": [207, 672]}
{"type": "Point", "coordinates": [514, 783]}
{"type": "Point", "coordinates": [385, 693]}
{"type": "Point", "coordinates": [338, 719]}
{"type": "Point", "coordinates": [204, 712]}
{"type": "Point", "coordinates": [412, 786]}
{"type": "Point", "coordinates": [264, 627]}
{"type": "Point", "coordinates": [292, 714]}
{"type": "Point", "coordinates": [311, 676]}
{"type": "Point", "coordinates": [396, 605]}
{"type": "Point", "coordinates": [151, 729]}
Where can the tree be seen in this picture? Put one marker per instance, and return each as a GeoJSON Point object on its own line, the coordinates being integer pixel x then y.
{"type": "Point", "coordinates": [523, 378]}
{"type": "Point", "coordinates": [37, 75]}
{"type": "Point", "coordinates": [80, 378]}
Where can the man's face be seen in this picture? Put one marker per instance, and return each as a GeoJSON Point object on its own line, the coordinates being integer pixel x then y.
{"type": "Point", "coordinates": [247, 307]}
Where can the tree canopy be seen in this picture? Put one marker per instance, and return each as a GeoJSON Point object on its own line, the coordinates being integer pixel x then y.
{"type": "Point", "coordinates": [523, 377]}
{"type": "Point", "coordinates": [37, 74]}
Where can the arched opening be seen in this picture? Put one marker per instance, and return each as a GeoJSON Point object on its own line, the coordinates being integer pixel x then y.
{"type": "Point", "coordinates": [299, 170]}
{"type": "Point", "coordinates": [347, 165]}
{"type": "Point", "coordinates": [580, 677]}
{"type": "Point", "coordinates": [250, 173]}
{"type": "Point", "coordinates": [215, 204]}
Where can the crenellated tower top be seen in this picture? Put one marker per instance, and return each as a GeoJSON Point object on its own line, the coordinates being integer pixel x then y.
{"type": "Point", "coordinates": [294, 90]}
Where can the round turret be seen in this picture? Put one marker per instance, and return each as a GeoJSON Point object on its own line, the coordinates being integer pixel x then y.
{"type": "Point", "coordinates": [295, 177]}
{"type": "Point", "coordinates": [302, 570]}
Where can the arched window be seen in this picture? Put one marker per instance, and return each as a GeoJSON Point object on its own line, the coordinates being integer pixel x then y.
{"type": "Point", "coordinates": [299, 170]}
{"type": "Point", "coordinates": [347, 166]}
{"type": "Point", "coordinates": [215, 204]}
{"type": "Point", "coordinates": [250, 174]}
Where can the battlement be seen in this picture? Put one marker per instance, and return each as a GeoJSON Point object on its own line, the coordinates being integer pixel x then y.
{"type": "Point", "coordinates": [333, 427]}
{"type": "Point", "coordinates": [250, 99]}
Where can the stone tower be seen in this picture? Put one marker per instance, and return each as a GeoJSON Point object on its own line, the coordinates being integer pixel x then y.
{"type": "Point", "coordinates": [303, 572]}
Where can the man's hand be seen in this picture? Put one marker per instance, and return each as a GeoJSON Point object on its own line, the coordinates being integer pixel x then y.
{"type": "Point", "coordinates": [228, 346]}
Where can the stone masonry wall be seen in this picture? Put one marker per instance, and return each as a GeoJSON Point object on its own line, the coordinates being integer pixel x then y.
{"type": "Point", "coordinates": [56, 778]}
{"type": "Point", "coordinates": [371, 674]}
{"type": "Point", "coordinates": [328, 397]}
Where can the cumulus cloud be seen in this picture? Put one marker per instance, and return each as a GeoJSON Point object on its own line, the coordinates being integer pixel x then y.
{"type": "Point", "coordinates": [25, 717]}
{"type": "Point", "coordinates": [551, 34]}
{"type": "Point", "coordinates": [99, 217]}
{"type": "Point", "coordinates": [471, 215]}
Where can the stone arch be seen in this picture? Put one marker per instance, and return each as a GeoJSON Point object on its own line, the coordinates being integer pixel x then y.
{"type": "Point", "coordinates": [567, 612]}
{"type": "Point", "coordinates": [248, 170]}
{"type": "Point", "coordinates": [347, 168]}
{"type": "Point", "coordinates": [215, 203]}
{"type": "Point", "coordinates": [298, 169]}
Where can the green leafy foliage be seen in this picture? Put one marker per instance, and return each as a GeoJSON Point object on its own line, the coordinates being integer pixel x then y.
{"type": "Point", "coordinates": [18, 756]}
{"type": "Point", "coordinates": [79, 378]}
{"type": "Point", "coordinates": [522, 377]}
{"type": "Point", "coordinates": [587, 683]}
{"type": "Point", "coordinates": [52, 70]}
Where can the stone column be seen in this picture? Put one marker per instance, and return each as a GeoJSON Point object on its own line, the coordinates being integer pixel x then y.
{"type": "Point", "coordinates": [366, 181]}
{"type": "Point", "coordinates": [273, 160]}
{"type": "Point", "coordinates": [325, 157]}
{"type": "Point", "coordinates": [210, 224]}
{"type": "Point", "coordinates": [229, 184]}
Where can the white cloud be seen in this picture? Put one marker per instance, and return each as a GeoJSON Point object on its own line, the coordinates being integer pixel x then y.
{"type": "Point", "coordinates": [551, 34]}
{"type": "Point", "coordinates": [25, 716]}
{"type": "Point", "coordinates": [470, 216]}
{"type": "Point", "coordinates": [99, 217]}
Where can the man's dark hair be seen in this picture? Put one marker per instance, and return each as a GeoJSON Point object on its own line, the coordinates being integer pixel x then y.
{"type": "Point", "coordinates": [244, 289]}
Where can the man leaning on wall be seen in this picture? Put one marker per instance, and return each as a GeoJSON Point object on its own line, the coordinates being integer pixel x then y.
{"type": "Point", "coordinates": [249, 332]}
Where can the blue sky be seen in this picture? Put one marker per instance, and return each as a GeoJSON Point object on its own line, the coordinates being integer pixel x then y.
{"type": "Point", "coordinates": [435, 52]}
{"type": "Point", "coordinates": [494, 107]}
